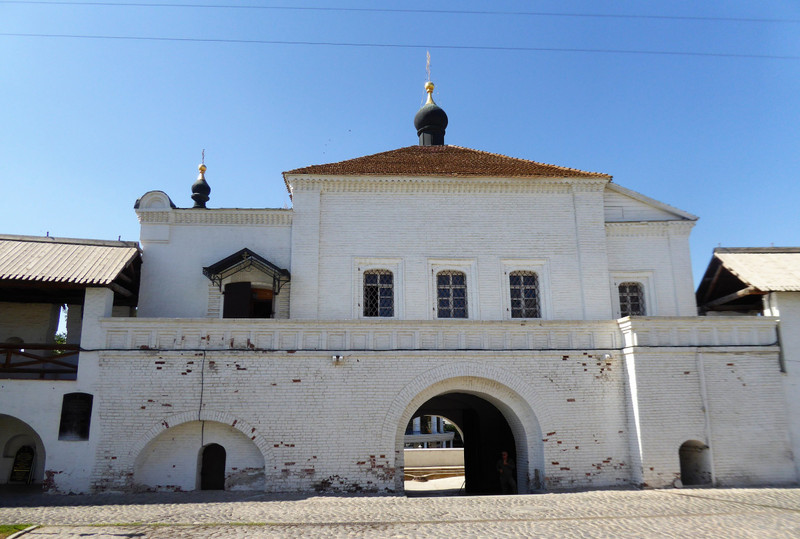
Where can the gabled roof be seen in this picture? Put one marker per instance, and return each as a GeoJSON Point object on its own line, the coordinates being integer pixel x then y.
{"type": "Point", "coordinates": [64, 260]}
{"type": "Point", "coordinates": [443, 161]}
{"type": "Point", "coordinates": [658, 205]}
{"type": "Point", "coordinates": [735, 275]}
{"type": "Point", "coordinates": [770, 269]}
{"type": "Point", "coordinates": [242, 260]}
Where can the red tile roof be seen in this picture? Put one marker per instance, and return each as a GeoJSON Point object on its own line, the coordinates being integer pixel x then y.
{"type": "Point", "coordinates": [443, 161]}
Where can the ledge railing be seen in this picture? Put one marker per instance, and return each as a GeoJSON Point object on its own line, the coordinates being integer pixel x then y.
{"type": "Point", "coordinates": [424, 335]}
{"type": "Point", "coordinates": [32, 361]}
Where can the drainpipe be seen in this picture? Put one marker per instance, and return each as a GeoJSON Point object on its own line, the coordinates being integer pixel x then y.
{"type": "Point", "coordinates": [706, 415]}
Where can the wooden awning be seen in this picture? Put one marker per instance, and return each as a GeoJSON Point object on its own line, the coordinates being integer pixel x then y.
{"type": "Point", "coordinates": [58, 270]}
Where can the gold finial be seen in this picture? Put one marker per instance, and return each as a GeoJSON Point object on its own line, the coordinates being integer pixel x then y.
{"type": "Point", "coordinates": [202, 166]}
{"type": "Point", "coordinates": [429, 89]}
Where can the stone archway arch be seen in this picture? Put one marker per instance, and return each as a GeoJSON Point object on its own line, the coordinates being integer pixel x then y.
{"type": "Point", "coordinates": [512, 397]}
{"type": "Point", "coordinates": [14, 434]}
{"type": "Point", "coordinates": [173, 420]}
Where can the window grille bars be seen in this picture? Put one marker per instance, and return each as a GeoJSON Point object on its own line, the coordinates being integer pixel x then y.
{"type": "Point", "coordinates": [451, 294]}
{"type": "Point", "coordinates": [524, 287]}
{"type": "Point", "coordinates": [378, 293]}
{"type": "Point", "coordinates": [631, 299]}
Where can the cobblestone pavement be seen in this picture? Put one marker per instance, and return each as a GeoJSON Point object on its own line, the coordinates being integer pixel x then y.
{"type": "Point", "coordinates": [768, 512]}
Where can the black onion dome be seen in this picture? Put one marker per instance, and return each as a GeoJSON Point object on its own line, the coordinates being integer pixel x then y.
{"type": "Point", "coordinates": [430, 121]}
{"type": "Point", "coordinates": [200, 189]}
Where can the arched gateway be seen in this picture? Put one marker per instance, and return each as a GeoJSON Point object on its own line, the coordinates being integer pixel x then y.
{"type": "Point", "coordinates": [488, 398]}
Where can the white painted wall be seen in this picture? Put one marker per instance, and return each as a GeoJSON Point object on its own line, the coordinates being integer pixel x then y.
{"type": "Point", "coordinates": [171, 461]}
{"type": "Point", "coordinates": [659, 250]}
{"type": "Point", "coordinates": [434, 457]}
{"type": "Point", "coordinates": [786, 306]}
{"type": "Point", "coordinates": [178, 243]}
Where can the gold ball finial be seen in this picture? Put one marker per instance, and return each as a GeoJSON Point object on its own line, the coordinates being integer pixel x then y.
{"type": "Point", "coordinates": [429, 89]}
{"type": "Point", "coordinates": [202, 168]}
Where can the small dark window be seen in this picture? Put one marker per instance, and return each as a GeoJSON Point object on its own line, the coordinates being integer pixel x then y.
{"type": "Point", "coordinates": [451, 294]}
{"type": "Point", "coordinates": [378, 293]}
{"type": "Point", "coordinates": [244, 301]}
{"type": "Point", "coordinates": [76, 416]}
{"type": "Point", "coordinates": [524, 294]}
{"type": "Point", "coordinates": [631, 299]}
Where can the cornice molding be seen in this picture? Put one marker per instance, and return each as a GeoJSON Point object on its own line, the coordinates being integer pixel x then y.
{"type": "Point", "coordinates": [425, 184]}
{"type": "Point", "coordinates": [649, 228]}
{"type": "Point", "coordinates": [227, 216]}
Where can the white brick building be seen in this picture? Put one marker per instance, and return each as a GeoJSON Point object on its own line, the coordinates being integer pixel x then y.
{"type": "Point", "coordinates": [545, 310]}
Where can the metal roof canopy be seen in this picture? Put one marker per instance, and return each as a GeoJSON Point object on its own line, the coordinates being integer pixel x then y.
{"type": "Point", "coordinates": [242, 260]}
{"type": "Point", "coordinates": [36, 269]}
{"type": "Point", "coordinates": [737, 277]}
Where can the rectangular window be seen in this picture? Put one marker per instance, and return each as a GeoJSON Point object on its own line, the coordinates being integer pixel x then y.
{"type": "Point", "coordinates": [378, 293]}
{"type": "Point", "coordinates": [242, 300]}
{"type": "Point", "coordinates": [524, 287]}
{"type": "Point", "coordinates": [76, 416]}
{"type": "Point", "coordinates": [451, 294]}
{"type": "Point", "coordinates": [631, 299]}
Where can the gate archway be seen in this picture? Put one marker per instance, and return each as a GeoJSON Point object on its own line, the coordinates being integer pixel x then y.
{"type": "Point", "coordinates": [486, 434]}
{"type": "Point", "coordinates": [477, 389]}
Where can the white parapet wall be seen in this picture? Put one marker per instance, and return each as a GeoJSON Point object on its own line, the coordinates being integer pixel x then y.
{"type": "Point", "coordinates": [433, 458]}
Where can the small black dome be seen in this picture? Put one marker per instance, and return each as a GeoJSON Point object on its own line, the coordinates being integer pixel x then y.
{"type": "Point", "coordinates": [430, 121]}
{"type": "Point", "coordinates": [200, 189]}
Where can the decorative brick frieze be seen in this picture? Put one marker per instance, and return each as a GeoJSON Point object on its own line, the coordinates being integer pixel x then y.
{"type": "Point", "coordinates": [404, 184]}
{"type": "Point", "coordinates": [649, 228]}
{"type": "Point", "coordinates": [227, 216]}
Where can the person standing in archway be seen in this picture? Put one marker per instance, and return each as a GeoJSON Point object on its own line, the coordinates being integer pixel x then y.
{"type": "Point", "coordinates": [507, 471]}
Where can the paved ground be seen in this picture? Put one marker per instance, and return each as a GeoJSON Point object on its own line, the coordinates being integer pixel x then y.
{"type": "Point", "coordinates": [652, 513]}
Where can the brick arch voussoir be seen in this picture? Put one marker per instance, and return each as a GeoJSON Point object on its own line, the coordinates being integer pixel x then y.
{"type": "Point", "coordinates": [480, 377]}
{"type": "Point", "coordinates": [174, 420]}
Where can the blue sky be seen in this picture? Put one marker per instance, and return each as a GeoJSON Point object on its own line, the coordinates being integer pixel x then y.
{"type": "Point", "coordinates": [89, 125]}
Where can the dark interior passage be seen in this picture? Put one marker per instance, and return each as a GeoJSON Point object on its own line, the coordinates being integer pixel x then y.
{"type": "Point", "coordinates": [486, 434]}
{"type": "Point", "coordinates": [212, 468]}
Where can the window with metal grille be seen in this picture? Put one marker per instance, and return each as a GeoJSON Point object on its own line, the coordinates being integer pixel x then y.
{"type": "Point", "coordinates": [631, 299]}
{"type": "Point", "coordinates": [451, 294]}
{"type": "Point", "coordinates": [378, 293]}
{"type": "Point", "coordinates": [524, 294]}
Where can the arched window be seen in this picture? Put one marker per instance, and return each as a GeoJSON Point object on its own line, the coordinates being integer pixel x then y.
{"type": "Point", "coordinates": [451, 294]}
{"type": "Point", "coordinates": [524, 287]}
{"type": "Point", "coordinates": [378, 293]}
{"type": "Point", "coordinates": [76, 416]}
{"type": "Point", "coordinates": [631, 299]}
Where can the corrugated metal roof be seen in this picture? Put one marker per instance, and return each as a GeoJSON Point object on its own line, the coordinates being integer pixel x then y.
{"type": "Point", "coordinates": [64, 260]}
{"type": "Point", "coordinates": [771, 269]}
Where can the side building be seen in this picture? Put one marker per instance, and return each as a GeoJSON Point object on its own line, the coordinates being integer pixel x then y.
{"type": "Point", "coordinates": [762, 281]}
{"type": "Point", "coordinates": [543, 310]}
